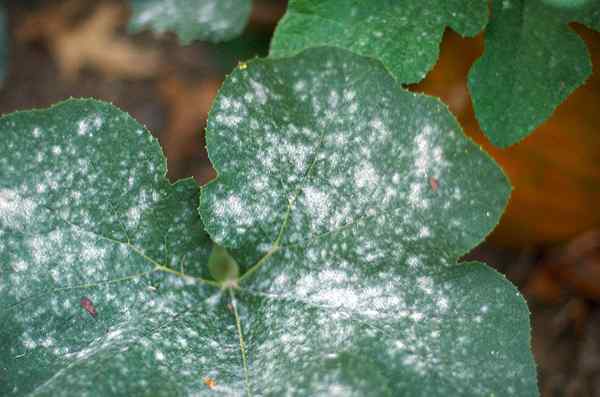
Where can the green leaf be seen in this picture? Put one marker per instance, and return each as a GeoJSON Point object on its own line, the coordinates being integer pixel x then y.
{"type": "Point", "coordinates": [88, 222]}
{"type": "Point", "coordinates": [532, 62]}
{"type": "Point", "coordinates": [358, 197]}
{"type": "Point", "coordinates": [325, 179]}
{"type": "Point", "coordinates": [212, 20]}
{"type": "Point", "coordinates": [405, 36]}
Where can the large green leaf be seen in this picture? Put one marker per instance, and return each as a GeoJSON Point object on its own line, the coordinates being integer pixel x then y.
{"type": "Point", "coordinates": [347, 201]}
{"type": "Point", "coordinates": [212, 20]}
{"type": "Point", "coordinates": [532, 62]}
{"type": "Point", "coordinates": [358, 197]}
{"type": "Point", "coordinates": [87, 214]}
{"type": "Point", "coordinates": [404, 35]}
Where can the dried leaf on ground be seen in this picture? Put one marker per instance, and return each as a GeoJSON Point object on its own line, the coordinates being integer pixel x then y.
{"type": "Point", "coordinates": [92, 43]}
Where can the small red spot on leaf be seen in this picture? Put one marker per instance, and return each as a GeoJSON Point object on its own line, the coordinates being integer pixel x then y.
{"type": "Point", "coordinates": [210, 383]}
{"type": "Point", "coordinates": [87, 304]}
{"type": "Point", "coordinates": [435, 184]}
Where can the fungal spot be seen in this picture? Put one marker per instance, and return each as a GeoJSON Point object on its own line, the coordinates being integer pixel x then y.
{"type": "Point", "coordinates": [87, 304]}
{"type": "Point", "coordinates": [210, 383]}
{"type": "Point", "coordinates": [434, 183]}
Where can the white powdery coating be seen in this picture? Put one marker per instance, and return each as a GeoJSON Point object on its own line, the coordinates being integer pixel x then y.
{"type": "Point", "coordinates": [260, 91]}
{"type": "Point", "coordinates": [168, 14]}
{"type": "Point", "coordinates": [428, 157]}
{"type": "Point", "coordinates": [291, 145]}
{"type": "Point", "coordinates": [336, 297]}
{"type": "Point", "coordinates": [233, 214]}
{"type": "Point", "coordinates": [232, 207]}
{"type": "Point", "coordinates": [15, 211]}
{"type": "Point", "coordinates": [154, 10]}
{"type": "Point", "coordinates": [318, 204]}
{"type": "Point", "coordinates": [415, 196]}
{"type": "Point", "coordinates": [365, 176]}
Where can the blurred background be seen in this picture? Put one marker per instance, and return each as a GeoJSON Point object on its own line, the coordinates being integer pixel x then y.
{"type": "Point", "coordinates": [548, 242]}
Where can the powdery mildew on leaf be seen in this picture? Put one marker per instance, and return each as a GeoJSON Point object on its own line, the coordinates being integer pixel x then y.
{"type": "Point", "coordinates": [532, 62]}
{"type": "Point", "coordinates": [404, 35]}
{"type": "Point", "coordinates": [212, 20]}
{"type": "Point", "coordinates": [324, 164]}
{"type": "Point", "coordinates": [87, 215]}
{"type": "Point", "coordinates": [339, 147]}
{"type": "Point", "coordinates": [353, 289]}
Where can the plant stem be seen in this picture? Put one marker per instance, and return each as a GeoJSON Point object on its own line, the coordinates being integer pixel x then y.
{"type": "Point", "coordinates": [242, 343]}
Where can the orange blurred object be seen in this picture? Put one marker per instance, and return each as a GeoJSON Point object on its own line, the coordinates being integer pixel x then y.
{"type": "Point", "coordinates": [555, 171]}
{"type": "Point", "coordinates": [92, 42]}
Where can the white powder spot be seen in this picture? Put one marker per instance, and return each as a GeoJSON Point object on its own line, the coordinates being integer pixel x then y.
{"type": "Point", "coordinates": [230, 121]}
{"type": "Point", "coordinates": [416, 316]}
{"type": "Point", "coordinates": [413, 261]}
{"type": "Point", "coordinates": [349, 95]}
{"type": "Point", "coordinates": [20, 266]}
{"type": "Point", "coordinates": [159, 355]}
{"type": "Point", "coordinates": [415, 196]}
{"type": "Point", "coordinates": [424, 232]}
{"type": "Point", "coordinates": [83, 127]}
{"type": "Point", "coordinates": [134, 214]}
{"type": "Point", "coordinates": [442, 304]}
{"type": "Point", "coordinates": [365, 176]}
{"type": "Point", "coordinates": [379, 127]}
{"type": "Point", "coordinates": [14, 210]}
{"type": "Point", "coordinates": [299, 86]}
{"type": "Point", "coordinates": [260, 91]}
{"type": "Point", "coordinates": [332, 100]}
{"type": "Point", "coordinates": [225, 103]}
{"type": "Point", "coordinates": [429, 158]}
{"type": "Point", "coordinates": [318, 204]}
{"type": "Point", "coordinates": [231, 207]}
{"type": "Point", "coordinates": [98, 122]}
{"type": "Point", "coordinates": [29, 343]}
{"type": "Point", "coordinates": [425, 284]}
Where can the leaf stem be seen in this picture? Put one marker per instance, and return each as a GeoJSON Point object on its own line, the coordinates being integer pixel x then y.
{"type": "Point", "coordinates": [258, 264]}
{"type": "Point", "coordinates": [180, 274]}
{"type": "Point", "coordinates": [242, 343]}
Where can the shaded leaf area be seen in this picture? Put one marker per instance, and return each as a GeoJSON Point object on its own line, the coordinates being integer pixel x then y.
{"type": "Point", "coordinates": [531, 63]}
{"type": "Point", "coordinates": [358, 197]}
{"type": "Point", "coordinates": [91, 233]}
{"type": "Point", "coordinates": [405, 36]}
{"type": "Point", "coordinates": [212, 20]}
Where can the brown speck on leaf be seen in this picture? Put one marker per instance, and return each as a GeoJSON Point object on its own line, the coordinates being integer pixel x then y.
{"type": "Point", "coordinates": [230, 307]}
{"type": "Point", "coordinates": [87, 304]}
{"type": "Point", "coordinates": [435, 184]}
{"type": "Point", "coordinates": [210, 383]}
